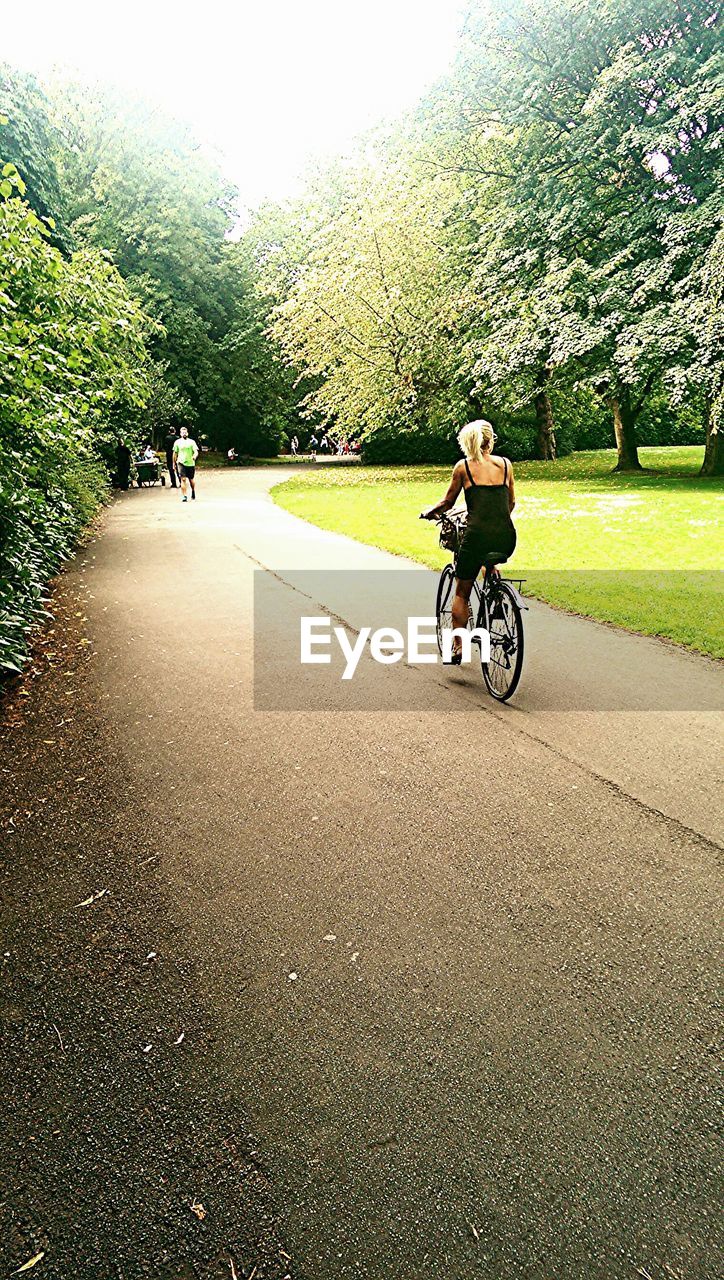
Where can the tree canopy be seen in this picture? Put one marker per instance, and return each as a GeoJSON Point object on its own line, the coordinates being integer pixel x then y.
{"type": "Point", "coordinates": [542, 228]}
{"type": "Point", "coordinates": [123, 307]}
{"type": "Point", "coordinates": [73, 370]}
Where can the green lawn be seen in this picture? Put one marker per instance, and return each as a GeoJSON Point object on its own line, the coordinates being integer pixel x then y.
{"type": "Point", "coordinates": [636, 550]}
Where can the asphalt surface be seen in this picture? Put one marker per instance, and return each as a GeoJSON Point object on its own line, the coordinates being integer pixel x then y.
{"type": "Point", "coordinates": [420, 990]}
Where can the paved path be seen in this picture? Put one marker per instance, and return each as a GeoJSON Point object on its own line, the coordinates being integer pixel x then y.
{"type": "Point", "coordinates": [495, 1059]}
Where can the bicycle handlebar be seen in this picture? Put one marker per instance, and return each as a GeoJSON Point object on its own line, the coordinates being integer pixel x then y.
{"type": "Point", "coordinates": [452, 516]}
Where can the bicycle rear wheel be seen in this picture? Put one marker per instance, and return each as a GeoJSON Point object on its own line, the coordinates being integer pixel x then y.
{"type": "Point", "coordinates": [505, 624]}
{"type": "Point", "coordinates": [443, 605]}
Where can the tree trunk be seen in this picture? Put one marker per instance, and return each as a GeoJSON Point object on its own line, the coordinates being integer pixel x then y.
{"type": "Point", "coordinates": [624, 425]}
{"type": "Point", "coordinates": [545, 431]}
{"type": "Point", "coordinates": [713, 464]}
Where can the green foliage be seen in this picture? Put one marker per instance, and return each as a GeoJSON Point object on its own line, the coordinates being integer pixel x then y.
{"type": "Point", "coordinates": [403, 448]}
{"type": "Point", "coordinates": [31, 142]}
{"type": "Point", "coordinates": [599, 129]}
{"type": "Point", "coordinates": [516, 438]}
{"type": "Point", "coordinates": [546, 222]}
{"type": "Point", "coordinates": [259, 402]}
{"type": "Point", "coordinates": [545, 230]}
{"type": "Point", "coordinates": [360, 295]}
{"type": "Point", "coordinates": [123, 308]}
{"type": "Point", "coordinates": [141, 187]}
{"type": "Point", "coordinates": [137, 186]}
{"type": "Point", "coordinates": [71, 365]}
{"type": "Point", "coordinates": [163, 404]}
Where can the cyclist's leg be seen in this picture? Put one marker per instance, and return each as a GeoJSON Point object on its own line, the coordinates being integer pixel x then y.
{"type": "Point", "coordinates": [461, 608]}
{"type": "Point", "coordinates": [467, 567]}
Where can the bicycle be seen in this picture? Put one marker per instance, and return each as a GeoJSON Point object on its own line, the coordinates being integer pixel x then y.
{"type": "Point", "coordinates": [498, 609]}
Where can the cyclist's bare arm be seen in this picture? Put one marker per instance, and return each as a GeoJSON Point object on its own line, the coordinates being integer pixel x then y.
{"type": "Point", "coordinates": [456, 484]}
{"type": "Point", "coordinates": [511, 487]}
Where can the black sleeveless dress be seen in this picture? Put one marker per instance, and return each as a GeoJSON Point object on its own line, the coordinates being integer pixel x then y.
{"type": "Point", "coordinates": [489, 526]}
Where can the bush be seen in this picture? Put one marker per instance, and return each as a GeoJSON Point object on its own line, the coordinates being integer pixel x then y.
{"type": "Point", "coordinates": [516, 439]}
{"type": "Point", "coordinates": [582, 420]}
{"type": "Point", "coordinates": [39, 525]}
{"type": "Point", "coordinates": [71, 372]}
{"type": "Point", "coordinates": [659, 424]}
{"type": "Point", "coordinates": [585, 420]}
{"type": "Point", "coordinates": [256, 437]}
{"type": "Point", "coordinates": [388, 446]}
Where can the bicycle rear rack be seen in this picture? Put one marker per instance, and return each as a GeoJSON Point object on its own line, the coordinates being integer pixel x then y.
{"type": "Point", "coordinates": [517, 586]}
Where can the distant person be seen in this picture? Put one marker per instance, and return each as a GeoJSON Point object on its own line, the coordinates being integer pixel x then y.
{"type": "Point", "coordinates": [169, 442]}
{"type": "Point", "coordinates": [123, 464]}
{"type": "Point", "coordinates": [149, 453]}
{"type": "Point", "coordinates": [324, 444]}
{"type": "Point", "coordinates": [231, 455]}
{"type": "Point", "coordinates": [313, 443]}
{"type": "Point", "coordinates": [185, 452]}
{"type": "Point", "coordinates": [294, 446]}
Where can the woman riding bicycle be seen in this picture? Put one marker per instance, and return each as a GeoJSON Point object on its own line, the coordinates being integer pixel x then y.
{"type": "Point", "coordinates": [490, 498]}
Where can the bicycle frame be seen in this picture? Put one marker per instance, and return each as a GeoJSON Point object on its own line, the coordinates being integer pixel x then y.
{"type": "Point", "coordinates": [485, 589]}
{"type": "Point", "coordinates": [505, 629]}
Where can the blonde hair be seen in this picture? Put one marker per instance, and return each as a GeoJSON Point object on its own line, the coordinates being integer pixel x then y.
{"type": "Point", "coordinates": [476, 439]}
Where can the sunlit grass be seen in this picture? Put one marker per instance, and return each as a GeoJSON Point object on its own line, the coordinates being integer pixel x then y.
{"type": "Point", "coordinates": [572, 515]}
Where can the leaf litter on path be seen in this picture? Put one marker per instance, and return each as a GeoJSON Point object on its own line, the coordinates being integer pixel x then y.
{"type": "Point", "coordinates": [30, 1263]}
{"type": "Point", "coordinates": [93, 898]}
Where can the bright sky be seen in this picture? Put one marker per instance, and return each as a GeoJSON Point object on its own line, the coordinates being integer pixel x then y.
{"type": "Point", "coordinates": [269, 84]}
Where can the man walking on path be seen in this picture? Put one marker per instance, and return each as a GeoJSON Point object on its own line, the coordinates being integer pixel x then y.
{"type": "Point", "coordinates": [169, 443]}
{"type": "Point", "coordinates": [185, 452]}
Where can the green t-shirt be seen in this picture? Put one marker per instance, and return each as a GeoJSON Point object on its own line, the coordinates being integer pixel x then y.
{"type": "Point", "coordinates": [185, 451]}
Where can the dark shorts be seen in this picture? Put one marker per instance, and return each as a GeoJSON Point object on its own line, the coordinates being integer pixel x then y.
{"type": "Point", "coordinates": [476, 545]}
{"type": "Point", "coordinates": [189, 472]}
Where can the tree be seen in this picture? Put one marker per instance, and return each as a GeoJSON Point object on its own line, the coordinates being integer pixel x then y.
{"type": "Point", "coordinates": [71, 376]}
{"type": "Point", "coordinates": [361, 299]}
{"type": "Point", "coordinates": [539, 227]}
{"type": "Point", "coordinates": [699, 310]}
{"type": "Point", "coordinates": [31, 142]}
{"type": "Point", "coordinates": [139, 185]}
{"type": "Point", "coordinates": [608, 116]}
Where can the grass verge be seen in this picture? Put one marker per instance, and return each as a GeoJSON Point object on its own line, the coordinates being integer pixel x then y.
{"type": "Point", "coordinates": [642, 551]}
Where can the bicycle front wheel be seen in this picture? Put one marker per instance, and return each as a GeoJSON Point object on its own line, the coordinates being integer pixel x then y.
{"type": "Point", "coordinates": [443, 606]}
{"type": "Point", "coordinates": [505, 625]}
